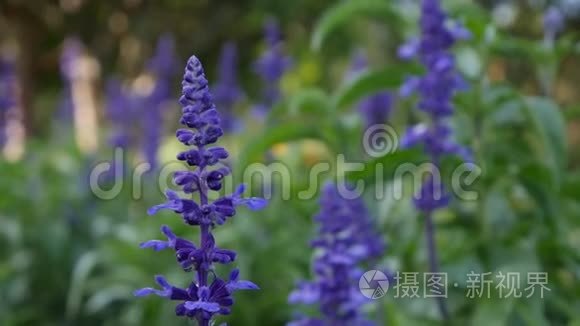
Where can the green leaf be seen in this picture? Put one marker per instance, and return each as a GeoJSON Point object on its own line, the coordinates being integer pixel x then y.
{"type": "Point", "coordinates": [498, 214]}
{"type": "Point", "coordinates": [102, 298]}
{"type": "Point", "coordinates": [571, 186]}
{"type": "Point", "coordinates": [290, 131]}
{"type": "Point", "coordinates": [343, 14]}
{"type": "Point", "coordinates": [492, 312]}
{"type": "Point", "coordinates": [516, 48]}
{"type": "Point", "coordinates": [389, 165]}
{"type": "Point", "coordinates": [540, 184]}
{"type": "Point", "coordinates": [306, 102]}
{"type": "Point", "coordinates": [531, 310]}
{"type": "Point", "coordinates": [506, 113]}
{"type": "Point", "coordinates": [550, 126]}
{"type": "Point", "coordinates": [373, 81]}
{"type": "Point", "coordinates": [309, 101]}
{"type": "Point", "coordinates": [80, 274]}
{"type": "Point", "coordinates": [572, 113]}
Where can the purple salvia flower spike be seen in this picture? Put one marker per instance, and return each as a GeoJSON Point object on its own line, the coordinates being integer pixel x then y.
{"type": "Point", "coordinates": [162, 67]}
{"type": "Point", "coordinates": [201, 300]}
{"type": "Point", "coordinates": [271, 66]}
{"type": "Point", "coordinates": [7, 93]}
{"type": "Point", "coordinates": [345, 239]}
{"type": "Point", "coordinates": [375, 108]}
{"type": "Point", "coordinates": [120, 105]}
{"type": "Point", "coordinates": [227, 92]}
{"type": "Point", "coordinates": [554, 22]}
{"type": "Point", "coordinates": [72, 49]}
{"type": "Point", "coordinates": [436, 89]}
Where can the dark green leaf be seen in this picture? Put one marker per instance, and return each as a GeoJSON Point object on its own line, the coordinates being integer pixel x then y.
{"type": "Point", "coordinates": [291, 131]}
{"type": "Point", "coordinates": [309, 101]}
{"type": "Point", "coordinates": [389, 164]}
{"type": "Point", "coordinates": [343, 14]}
{"type": "Point", "coordinates": [550, 127]}
{"type": "Point", "coordinates": [372, 82]}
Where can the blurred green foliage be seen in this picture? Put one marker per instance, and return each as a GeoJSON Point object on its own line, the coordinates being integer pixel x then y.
{"type": "Point", "coordinates": [69, 258]}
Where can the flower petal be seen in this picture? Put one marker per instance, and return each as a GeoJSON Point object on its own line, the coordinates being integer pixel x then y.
{"type": "Point", "coordinates": [242, 285]}
{"type": "Point", "coordinates": [211, 307]}
{"type": "Point", "coordinates": [157, 245]}
{"type": "Point", "coordinates": [253, 203]}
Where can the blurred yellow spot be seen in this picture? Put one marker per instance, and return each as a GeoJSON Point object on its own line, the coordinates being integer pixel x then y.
{"type": "Point", "coordinates": [309, 72]}
{"type": "Point", "coordinates": [280, 149]}
{"type": "Point", "coordinates": [290, 83]}
{"type": "Point", "coordinates": [313, 152]}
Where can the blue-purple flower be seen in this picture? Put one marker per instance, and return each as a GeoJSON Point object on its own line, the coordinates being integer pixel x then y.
{"type": "Point", "coordinates": [272, 66]}
{"type": "Point", "coordinates": [120, 107]}
{"type": "Point", "coordinates": [207, 295]}
{"type": "Point", "coordinates": [346, 238]}
{"type": "Point", "coordinates": [375, 108]}
{"type": "Point", "coordinates": [7, 93]}
{"type": "Point", "coordinates": [227, 92]}
{"type": "Point", "coordinates": [163, 62]}
{"type": "Point", "coordinates": [554, 22]}
{"type": "Point", "coordinates": [162, 66]}
{"type": "Point", "coordinates": [436, 89]}
{"type": "Point", "coordinates": [72, 49]}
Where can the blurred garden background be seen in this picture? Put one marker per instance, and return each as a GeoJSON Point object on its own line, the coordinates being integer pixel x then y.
{"type": "Point", "coordinates": [82, 78]}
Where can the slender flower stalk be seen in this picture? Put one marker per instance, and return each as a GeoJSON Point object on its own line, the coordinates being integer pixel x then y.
{"type": "Point", "coordinates": [272, 66]}
{"type": "Point", "coordinates": [227, 92]}
{"type": "Point", "coordinates": [346, 238]}
{"type": "Point", "coordinates": [436, 89]}
{"type": "Point", "coordinates": [207, 295]}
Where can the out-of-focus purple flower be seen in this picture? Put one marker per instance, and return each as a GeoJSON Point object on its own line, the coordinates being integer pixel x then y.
{"type": "Point", "coordinates": [163, 67]}
{"type": "Point", "coordinates": [7, 93]}
{"type": "Point", "coordinates": [163, 62]}
{"type": "Point", "coordinates": [272, 65]}
{"type": "Point", "coordinates": [437, 87]}
{"type": "Point", "coordinates": [358, 65]}
{"type": "Point", "coordinates": [227, 91]}
{"type": "Point", "coordinates": [120, 109]}
{"type": "Point", "coordinates": [346, 238]}
{"type": "Point", "coordinates": [7, 80]}
{"type": "Point", "coordinates": [554, 21]}
{"type": "Point", "coordinates": [375, 108]}
{"type": "Point", "coordinates": [207, 294]}
{"type": "Point", "coordinates": [72, 49]}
